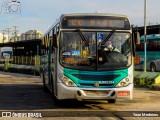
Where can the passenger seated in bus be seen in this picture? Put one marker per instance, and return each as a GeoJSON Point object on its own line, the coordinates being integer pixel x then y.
{"type": "Point", "coordinates": [109, 47]}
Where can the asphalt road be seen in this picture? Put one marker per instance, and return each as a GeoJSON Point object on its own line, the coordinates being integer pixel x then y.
{"type": "Point", "coordinates": [24, 94]}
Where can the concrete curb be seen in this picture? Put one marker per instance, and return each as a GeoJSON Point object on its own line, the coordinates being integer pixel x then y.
{"type": "Point", "coordinates": [155, 87]}
{"type": "Point", "coordinates": [146, 75]}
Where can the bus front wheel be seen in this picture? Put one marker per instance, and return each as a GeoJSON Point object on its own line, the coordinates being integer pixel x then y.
{"type": "Point", "coordinates": [112, 101]}
{"type": "Point", "coordinates": [153, 67]}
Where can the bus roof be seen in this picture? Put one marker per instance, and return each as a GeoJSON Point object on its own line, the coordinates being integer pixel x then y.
{"type": "Point", "coordinates": [151, 37]}
{"type": "Point", "coordinates": [94, 14]}
{"type": "Point", "coordinates": [83, 14]}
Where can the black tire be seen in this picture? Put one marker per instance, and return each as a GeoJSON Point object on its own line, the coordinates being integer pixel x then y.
{"type": "Point", "coordinates": [56, 101]}
{"type": "Point", "coordinates": [112, 101]}
{"type": "Point", "coordinates": [52, 86]}
{"type": "Point", "coordinates": [44, 86]}
{"type": "Point", "coordinates": [153, 67]}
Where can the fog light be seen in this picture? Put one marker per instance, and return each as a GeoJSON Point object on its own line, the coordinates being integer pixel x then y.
{"type": "Point", "coordinates": [113, 93]}
{"type": "Point", "coordinates": [79, 93]}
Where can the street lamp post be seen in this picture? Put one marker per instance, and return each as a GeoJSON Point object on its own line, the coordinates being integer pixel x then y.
{"type": "Point", "coordinates": [145, 32]}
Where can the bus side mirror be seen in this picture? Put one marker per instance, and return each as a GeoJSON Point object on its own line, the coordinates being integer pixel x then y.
{"type": "Point", "coordinates": [137, 38]}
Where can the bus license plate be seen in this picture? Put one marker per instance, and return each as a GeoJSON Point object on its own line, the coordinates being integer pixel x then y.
{"type": "Point", "coordinates": [123, 93]}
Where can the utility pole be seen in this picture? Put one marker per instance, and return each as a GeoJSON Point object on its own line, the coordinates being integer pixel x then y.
{"type": "Point", "coordinates": [3, 33]}
{"type": "Point", "coordinates": [8, 31]}
{"type": "Point", "coordinates": [158, 27]}
{"type": "Point", "coordinates": [15, 32]}
{"type": "Point", "coordinates": [145, 32]}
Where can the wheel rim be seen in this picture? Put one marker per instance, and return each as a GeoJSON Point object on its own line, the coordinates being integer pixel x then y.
{"type": "Point", "coordinates": [153, 68]}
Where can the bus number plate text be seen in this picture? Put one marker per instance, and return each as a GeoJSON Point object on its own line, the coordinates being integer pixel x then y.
{"type": "Point", "coordinates": [123, 93]}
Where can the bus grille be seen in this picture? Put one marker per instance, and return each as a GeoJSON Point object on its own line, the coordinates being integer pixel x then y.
{"type": "Point", "coordinates": [102, 81]}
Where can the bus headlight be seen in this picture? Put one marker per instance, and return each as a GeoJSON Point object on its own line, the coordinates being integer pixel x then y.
{"type": "Point", "coordinates": [123, 83]}
{"type": "Point", "coordinates": [66, 81]}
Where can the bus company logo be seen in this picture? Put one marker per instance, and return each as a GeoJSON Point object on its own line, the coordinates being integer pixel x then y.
{"type": "Point", "coordinates": [6, 114]}
{"type": "Point", "coordinates": [22, 114]}
{"type": "Point", "coordinates": [96, 84]}
{"type": "Point", "coordinates": [10, 7]}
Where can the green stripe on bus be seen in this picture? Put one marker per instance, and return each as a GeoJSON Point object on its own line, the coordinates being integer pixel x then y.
{"type": "Point", "coordinates": [71, 74]}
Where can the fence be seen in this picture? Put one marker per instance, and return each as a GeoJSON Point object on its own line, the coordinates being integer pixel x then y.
{"type": "Point", "coordinates": [26, 60]}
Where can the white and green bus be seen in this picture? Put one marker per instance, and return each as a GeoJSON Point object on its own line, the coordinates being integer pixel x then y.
{"type": "Point", "coordinates": [153, 53]}
{"type": "Point", "coordinates": [6, 54]}
{"type": "Point", "coordinates": [76, 62]}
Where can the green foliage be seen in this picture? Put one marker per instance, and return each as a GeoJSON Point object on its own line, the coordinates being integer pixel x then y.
{"type": "Point", "coordinates": [143, 82]}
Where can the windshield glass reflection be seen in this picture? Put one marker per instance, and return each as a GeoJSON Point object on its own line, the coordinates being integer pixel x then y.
{"type": "Point", "coordinates": [104, 50]}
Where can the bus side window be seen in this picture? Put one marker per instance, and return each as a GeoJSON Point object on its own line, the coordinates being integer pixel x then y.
{"type": "Point", "coordinates": [54, 38]}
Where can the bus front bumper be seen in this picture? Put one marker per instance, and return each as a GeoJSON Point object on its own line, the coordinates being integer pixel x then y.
{"type": "Point", "coordinates": [95, 94]}
{"type": "Point", "coordinates": [65, 92]}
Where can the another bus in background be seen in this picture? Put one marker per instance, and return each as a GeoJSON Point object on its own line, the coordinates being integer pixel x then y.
{"type": "Point", "coordinates": [153, 53]}
{"type": "Point", "coordinates": [6, 54]}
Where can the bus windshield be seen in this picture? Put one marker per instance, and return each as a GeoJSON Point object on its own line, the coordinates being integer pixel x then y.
{"type": "Point", "coordinates": [104, 50]}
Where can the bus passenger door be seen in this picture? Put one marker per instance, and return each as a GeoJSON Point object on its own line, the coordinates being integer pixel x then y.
{"type": "Point", "coordinates": [46, 70]}
{"type": "Point", "coordinates": [53, 69]}
{"type": "Point", "coordinates": [53, 46]}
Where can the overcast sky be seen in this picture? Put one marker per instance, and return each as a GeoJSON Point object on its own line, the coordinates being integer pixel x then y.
{"type": "Point", "coordinates": [40, 14]}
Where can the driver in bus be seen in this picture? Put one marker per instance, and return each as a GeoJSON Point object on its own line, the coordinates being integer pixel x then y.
{"type": "Point", "coordinates": [110, 48]}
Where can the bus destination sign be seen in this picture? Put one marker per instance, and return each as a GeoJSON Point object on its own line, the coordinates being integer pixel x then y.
{"type": "Point", "coordinates": [96, 22]}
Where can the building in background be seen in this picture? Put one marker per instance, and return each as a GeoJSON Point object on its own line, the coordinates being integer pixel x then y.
{"type": "Point", "coordinates": [29, 35]}
{"type": "Point", "coordinates": [3, 38]}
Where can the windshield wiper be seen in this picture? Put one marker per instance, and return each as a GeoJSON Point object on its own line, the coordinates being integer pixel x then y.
{"type": "Point", "coordinates": [83, 38]}
{"type": "Point", "coordinates": [107, 38]}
